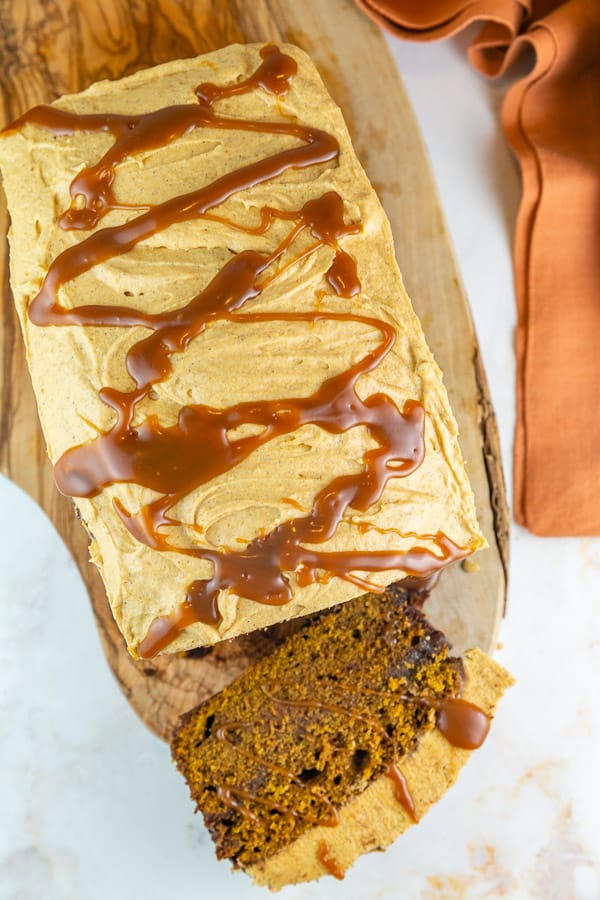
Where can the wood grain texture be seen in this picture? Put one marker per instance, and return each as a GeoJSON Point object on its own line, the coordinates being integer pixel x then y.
{"type": "Point", "coordinates": [50, 47]}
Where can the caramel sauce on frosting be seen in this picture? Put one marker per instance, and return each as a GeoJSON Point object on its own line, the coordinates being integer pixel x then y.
{"type": "Point", "coordinates": [401, 790]}
{"type": "Point", "coordinates": [174, 460]}
{"type": "Point", "coordinates": [462, 724]}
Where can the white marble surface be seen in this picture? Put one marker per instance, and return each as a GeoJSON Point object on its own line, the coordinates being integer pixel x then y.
{"type": "Point", "coordinates": [90, 806]}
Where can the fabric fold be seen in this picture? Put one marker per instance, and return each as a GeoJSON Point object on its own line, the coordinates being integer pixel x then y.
{"type": "Point", "coordinates": [551, 118]}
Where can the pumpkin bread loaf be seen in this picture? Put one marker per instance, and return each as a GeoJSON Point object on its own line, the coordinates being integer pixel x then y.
{"type": "Point", "coordinates": [230, 377]}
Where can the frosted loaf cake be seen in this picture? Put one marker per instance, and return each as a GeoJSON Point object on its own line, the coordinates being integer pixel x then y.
{"type": "Point", "coordinates": [231, 381]}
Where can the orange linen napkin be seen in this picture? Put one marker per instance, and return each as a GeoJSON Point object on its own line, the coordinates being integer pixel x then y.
{"type": "Point", "coordinates": [552, 121]}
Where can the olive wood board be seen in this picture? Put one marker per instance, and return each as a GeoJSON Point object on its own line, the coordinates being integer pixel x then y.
{"type": "Point", "coordinates": [52, 47]}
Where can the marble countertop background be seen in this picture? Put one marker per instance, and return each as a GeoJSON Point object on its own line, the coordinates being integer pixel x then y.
{"type": "Point", "coordinates": [91, 807]}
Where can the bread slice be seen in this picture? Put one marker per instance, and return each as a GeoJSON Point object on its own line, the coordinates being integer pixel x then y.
{"type": "Point", "coordinates": [336, 743]}
{"type": "Point", "coordinates": [255, 478]}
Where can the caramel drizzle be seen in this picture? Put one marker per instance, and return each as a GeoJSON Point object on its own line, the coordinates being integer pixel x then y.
{"type": "Point", "coordinates": [329, 861]}
{"type": "Point", "coordinates": [462, 723]}
{"type": "Point", "coordinates": [175, 460]}
{"type": "Point", "coordinates": [401, 790]}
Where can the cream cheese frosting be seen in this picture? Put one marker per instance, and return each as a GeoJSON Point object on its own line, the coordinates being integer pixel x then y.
{"type": "Point", "coordinates": [231, 362]}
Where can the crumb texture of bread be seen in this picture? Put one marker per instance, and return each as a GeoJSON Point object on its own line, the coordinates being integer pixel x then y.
{"type": "Point", "coordinates": [297, 751]}
{"type": "Point", "coordinates": [232, 361]}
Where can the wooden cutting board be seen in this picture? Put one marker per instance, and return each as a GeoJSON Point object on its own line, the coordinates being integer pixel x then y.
{"type": "Point", "coordinates": [51, 47]}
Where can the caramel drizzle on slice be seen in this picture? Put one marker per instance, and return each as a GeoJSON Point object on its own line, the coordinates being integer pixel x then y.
{"type": "Point", "coordinates": [401, 790]}
{"type": "Point", "coordinates": [177, 459]}
{"type": "Point", "coordinates": [463, 724]}
{"type": "Point", "coordinates": [329, 861]}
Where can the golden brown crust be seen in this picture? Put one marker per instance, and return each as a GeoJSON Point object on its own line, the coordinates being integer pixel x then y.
{"type": "Point", "coordinates": [375, 818]}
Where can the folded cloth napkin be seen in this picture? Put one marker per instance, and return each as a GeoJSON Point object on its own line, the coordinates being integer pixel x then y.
{"type": "Point", "coordinates": [551, 118]}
